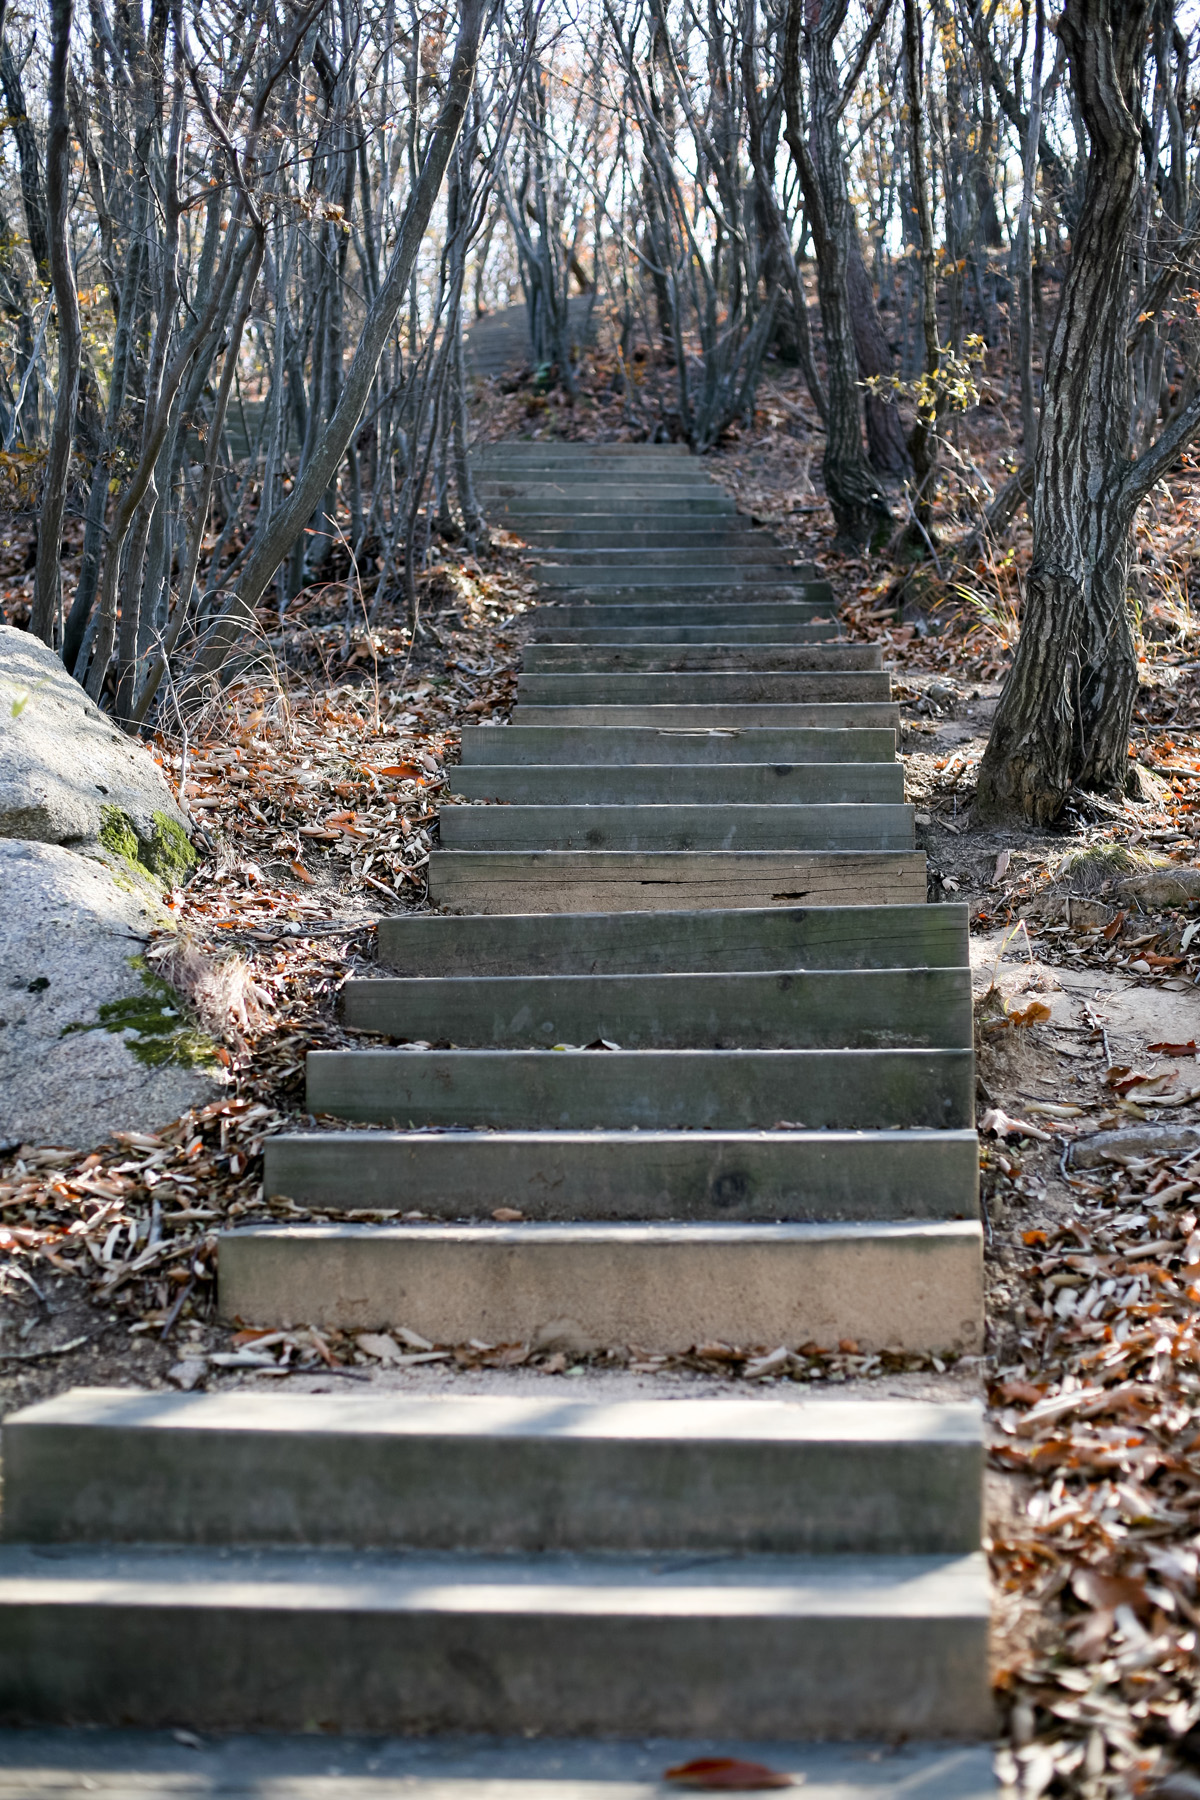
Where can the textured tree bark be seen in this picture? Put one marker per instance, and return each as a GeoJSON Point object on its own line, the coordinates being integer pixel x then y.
{"type": "Point", "coordinates": [885, 430]}
{"type": "Point", "coordinates": [47, 580]}
{"type": "Point", "coordinates": [858, 504]}
{"type": "Point", "coordinates": [1066, 707]}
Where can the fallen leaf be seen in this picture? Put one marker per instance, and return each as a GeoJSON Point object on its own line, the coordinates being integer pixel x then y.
{"type": "Point", "coordinates": [1036, 1013]}
{"type": "Point", "coordinates": [727, 1772]}
{"type": "Point", "coordinates": [299, 869]}
{"type": "Point", "coordinates": [1188, 1049]}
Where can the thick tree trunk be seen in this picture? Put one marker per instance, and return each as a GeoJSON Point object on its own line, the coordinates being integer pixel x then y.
{"type": "Point", "coordinates": [885, 430]}
{"type": "Point", "coordinates": [1066, 708]}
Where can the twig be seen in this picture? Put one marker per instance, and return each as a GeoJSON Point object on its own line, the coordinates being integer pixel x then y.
{"type": "Point", "coordinates": [37, 1355]}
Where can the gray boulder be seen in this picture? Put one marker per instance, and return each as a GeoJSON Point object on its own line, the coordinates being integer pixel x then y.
{"type": "Point", "coordinates": [91, 1041]}
{"type": "Point", "coordinates": [68, 776]}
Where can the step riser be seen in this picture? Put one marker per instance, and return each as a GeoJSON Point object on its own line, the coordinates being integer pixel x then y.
{"type": "Point", "coordinates": [713, 549]}
{"type": "Point", "coordinates": [733, 1090]}
{"type": "Point", "coordinates": [291, 1667]}
{"type": "Point", "coordinates": [662, 1288]}
{"type": "Point", "coordinates": [569, 881]}
{"type": "Point", "coordinates": [311, 1471]}
{"type": "Point", "coordinates": [593, 515]}
{"type": "Point", "coordinates": [871, 1010]}
{"type": "Point", "coordinates": [577, 659]}
{"type": "Point", "coordinates": [863, 784]}
{"type": "Point", "coordinates": [426, 944]}
{"type": "Point", "coordinates": [736, 565]}
{"type": "Point", "coordinates": [643, 1175]}
{"type": "Point", "coordinates": [811, 599]}
{"type": "Point", "coordinates": [678, 828]}
{"type": "Point", "coordinates": [677, 580]}
{"type": "Point", "coordinates": [634, 535]}
{"type": "Point", "coordinates": [485, 747]}
{"type": "Point", "coordinates": [581, 511]}
{"type": "Point", "coordinates": [731, 630]}
{"type": "Point", "coordinates": [749, 687]}
{"type": "Point", "coordinates": [836, 715]}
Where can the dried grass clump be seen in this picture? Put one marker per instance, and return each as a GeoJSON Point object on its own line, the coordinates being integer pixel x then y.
{"type": "Point", "coordinates": [223, 993]}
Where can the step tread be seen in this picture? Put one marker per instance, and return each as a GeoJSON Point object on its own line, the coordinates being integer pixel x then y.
{"type": "Point", "coordinates": [254, 1580]}
{"type": "Point", "coordinates": [811, 1420]}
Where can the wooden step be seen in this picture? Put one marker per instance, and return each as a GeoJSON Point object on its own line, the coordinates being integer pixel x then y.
{"type": "Point", "coordinates": [805, 1176]}
{"type": "Point", "coordinates": [566, 881]}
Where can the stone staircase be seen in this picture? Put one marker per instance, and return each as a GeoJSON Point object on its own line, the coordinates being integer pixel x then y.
{"type": "Point", "coordinates": [701, 859]}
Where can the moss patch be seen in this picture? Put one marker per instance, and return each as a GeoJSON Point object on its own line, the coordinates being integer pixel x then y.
{"type": "Point", "coordinates": [165, 856]}
{"type": "Point", "coordinates": [160, 1027]}
{"type": "Point", "coordinates": [169, 852]}
{"type": "Point", "coordinates": [117, 834]}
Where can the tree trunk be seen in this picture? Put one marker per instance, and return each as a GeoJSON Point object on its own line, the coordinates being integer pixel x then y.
{"type": "Point", "coordinates": [1067, 705]}
{"type": "Point", "coordinates": [885, 431]}
{"type": "Point", "coordinates": [47, 588]}
{"type": "Point", "coordinates": [858, 505]}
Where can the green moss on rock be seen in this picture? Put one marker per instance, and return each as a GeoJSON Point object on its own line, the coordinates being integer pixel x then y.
{"type": "Point", "coordinates": [117, 834]}
{"type": "Point", "coordinates": [165, 856]}
{"type": "Point", "coordinates": [156, 1025]}
{"type": "Point", "coordinates": [169, 852]}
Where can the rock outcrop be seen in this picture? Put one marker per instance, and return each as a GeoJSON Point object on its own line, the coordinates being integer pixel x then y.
{"type": "Point", "coordinates": [91, 1041]}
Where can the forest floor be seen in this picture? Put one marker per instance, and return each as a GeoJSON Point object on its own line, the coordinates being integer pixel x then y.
{"type": "Point", "coordinates": [314, 793]}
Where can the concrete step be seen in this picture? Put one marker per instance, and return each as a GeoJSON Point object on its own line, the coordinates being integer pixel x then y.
{"type": "Point", "coordinates": [705, 826]}
{"type": "Point", "coordinates": [724, 546]}
{"type": "Point", "coordinates": [704, 658]}
{"type": "Point", "coordinates": [811, 602]}
{"type": "Point", "coordinates": [580, 503]}
{"type": "Point", "coordinates": [619, 530]}
{"type": "Point", "coordinates": [914, 1287]}
{"type": "Point", "coordinates": [61, 1763]}
{"type": "Point", "coordinates": [854, 1009]}
{"type": "Point", "coordinates": [564, 455]}
{"type": "Point", "coordinates": [675, 578]}
{"type": "Point", "coordinates": [600, 784]}
{"type": "Point", "coordinates": [608, 746]}
{"type": "Point", "coordinates": [633, 1175]}
{"type": "Point", "coordinates": [653, 484]}
{"type": "Point", "coordinates": [566, 881]}
{"type": "Point", "coordinates": [650, 1090]}
{"type": "Point", "coordinates": [475, 1473]}
{"type": "Point", "coordinates": [695, 594]}
{"type": "Point", "coordinates": [386, 1642]}
{"type": "Point", "coordinates": [585, 513]}
{"type": "Point", "coordinates": [820, 629]}
{"type": "Point", "coordinates": [708, 687]}
{"type": "Point", "coordinates": [815, 937]}
{"type": "Point", "coordinates": [743, 561]}
{"type": "Point", "coordinates": [829, 716]}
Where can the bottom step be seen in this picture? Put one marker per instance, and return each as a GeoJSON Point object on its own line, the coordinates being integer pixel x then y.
{"type": "Point", "coordinates": [913, 1287]}
{"type": "Point", "coordinates": [292, 1640]}
{"type": "Point", "coordinates": [61, 1764]}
